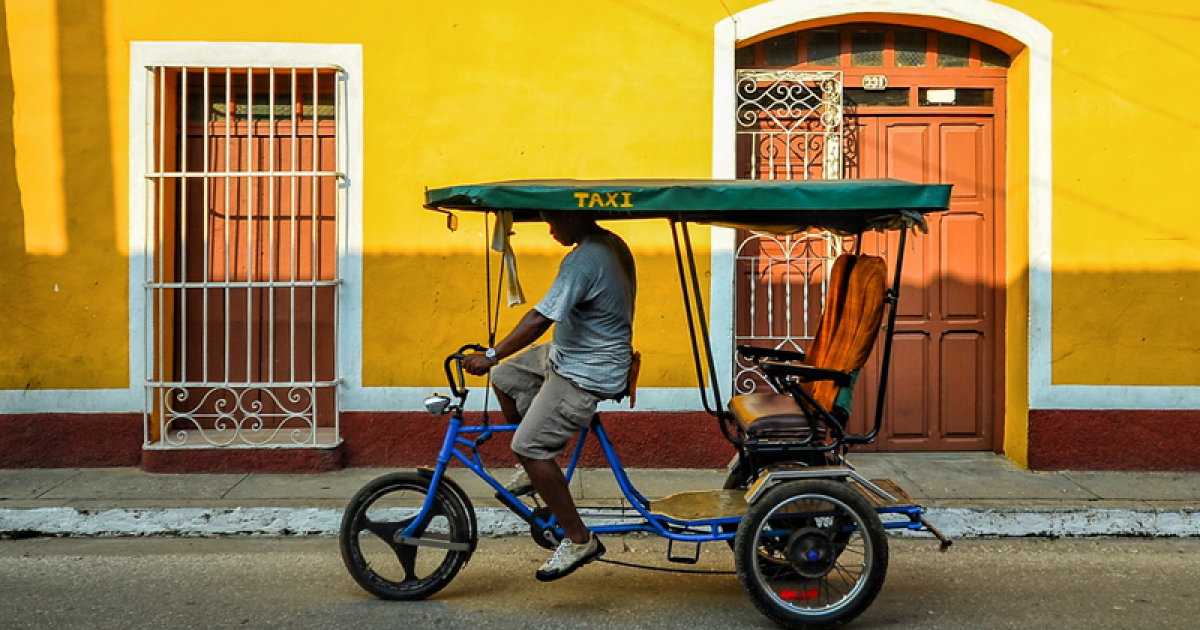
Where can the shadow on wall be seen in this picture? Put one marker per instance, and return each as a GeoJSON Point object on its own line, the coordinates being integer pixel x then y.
{"type": "Point", "coordinates": [12, 220]}
{"type": "Point", "coordinates": [440, 298]}
{"type": "Point", "coordinates": [65, 317]}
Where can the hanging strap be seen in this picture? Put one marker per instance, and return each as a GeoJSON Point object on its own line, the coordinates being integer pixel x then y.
{"type": "Point", "coordinates": [501, 243]}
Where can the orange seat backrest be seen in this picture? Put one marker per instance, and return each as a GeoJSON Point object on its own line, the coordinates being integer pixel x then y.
{"type": "Point", "coordinates": [850, 323]}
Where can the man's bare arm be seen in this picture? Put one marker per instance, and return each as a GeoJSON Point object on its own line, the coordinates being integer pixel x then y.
{"type": "Point", "coordinates": [531, 327]}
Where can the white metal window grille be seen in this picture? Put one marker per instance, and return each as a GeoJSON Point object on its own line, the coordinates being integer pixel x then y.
{"type": "Point", "coordinates": [244, 199]}
{"type": "Point", "coordinates": [789, 127]}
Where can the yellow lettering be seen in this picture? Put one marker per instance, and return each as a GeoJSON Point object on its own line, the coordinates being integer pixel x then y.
{"type": "Point", "coordinates": [612, 200]}
{"type": "Point", "coordinates": [627, 196]}
{"type": "Point", "coordinates": [596, 199]}
{"type": "Point", "coordinates": [581, 196]}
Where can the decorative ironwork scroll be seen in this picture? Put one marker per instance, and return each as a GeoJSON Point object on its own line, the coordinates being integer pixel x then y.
{"type": "Point", "coordinates": [789, 126]}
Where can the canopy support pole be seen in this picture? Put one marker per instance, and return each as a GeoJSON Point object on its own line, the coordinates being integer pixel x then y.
{"type": "Point", "coordinates": [689, 281]}
{"type": "Point", "coordinates": [893, 300]}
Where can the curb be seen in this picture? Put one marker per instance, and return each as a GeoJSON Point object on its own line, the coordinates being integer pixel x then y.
{"type": "Point", "coordinates": [209, 522]}
{"type": "Point", "coordinates": [1064, 522]}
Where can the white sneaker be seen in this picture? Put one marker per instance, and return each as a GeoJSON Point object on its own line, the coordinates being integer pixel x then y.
{"type": "Point", "coordinates": [520, 485]}
{"type": "Point", "coordinates": [568, 557]}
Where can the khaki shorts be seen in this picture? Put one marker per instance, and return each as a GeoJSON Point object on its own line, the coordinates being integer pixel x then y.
{"type": "Point", "coordinates": [553, 410]}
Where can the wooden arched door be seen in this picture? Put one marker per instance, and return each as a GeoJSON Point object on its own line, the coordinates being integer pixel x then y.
{"type": "Point", "coordinates": [922, 106]}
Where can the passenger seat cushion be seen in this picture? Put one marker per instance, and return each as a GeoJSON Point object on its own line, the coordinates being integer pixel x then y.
{"type": "Point", "coordinates": [770, 416]}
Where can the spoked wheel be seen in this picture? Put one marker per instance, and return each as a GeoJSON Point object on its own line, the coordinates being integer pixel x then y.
{"type": "Point", "coordinates": [811, 554]}
{"type": "Point", "coordinates": [392, 566]}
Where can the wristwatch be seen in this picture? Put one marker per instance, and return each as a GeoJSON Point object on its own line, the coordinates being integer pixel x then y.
{"type": "Point", "coordinates": [490, 353]}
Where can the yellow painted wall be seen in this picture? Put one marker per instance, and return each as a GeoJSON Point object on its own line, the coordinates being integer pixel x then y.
{"type": "Point", "coordinates": [1126, 245]}
{"type": "Point", "coordinates": [455, 91]}
{"type": "Point", "coordinates": [468, 90]}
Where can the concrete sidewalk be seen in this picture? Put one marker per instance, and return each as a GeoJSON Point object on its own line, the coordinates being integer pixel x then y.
{"type": "Point", "coordinates": [966, 495]}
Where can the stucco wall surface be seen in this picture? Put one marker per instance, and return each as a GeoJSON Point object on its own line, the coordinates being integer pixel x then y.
{"type": "Point", "coordinates": [469, 90]}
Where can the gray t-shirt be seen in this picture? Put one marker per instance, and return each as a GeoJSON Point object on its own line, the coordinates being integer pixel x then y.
{"type": "Point", "coordinates": [591, 303]}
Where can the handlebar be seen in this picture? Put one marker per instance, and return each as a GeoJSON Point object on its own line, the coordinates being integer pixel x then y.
{"type": "Point", "coordinates": [459, 386]}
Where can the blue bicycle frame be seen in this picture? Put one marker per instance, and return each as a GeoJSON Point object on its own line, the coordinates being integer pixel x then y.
{"type": "Point", "coordinates": [461, 438]}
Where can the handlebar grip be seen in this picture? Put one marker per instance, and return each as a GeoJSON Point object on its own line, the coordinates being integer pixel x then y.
{"type": "Point", "coordinates": [459, 387]}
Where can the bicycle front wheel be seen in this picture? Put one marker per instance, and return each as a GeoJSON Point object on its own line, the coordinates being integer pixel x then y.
{"type": "Point", "coordinates": [390, 565]}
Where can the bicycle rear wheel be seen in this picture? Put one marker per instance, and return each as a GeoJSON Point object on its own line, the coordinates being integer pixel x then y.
{"type": "Point", "coordinates": [391, 566]}
{"type": "Point", "coordinates": [811, 554]}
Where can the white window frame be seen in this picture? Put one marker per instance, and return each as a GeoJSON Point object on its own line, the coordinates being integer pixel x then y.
{"type": "Point", "coordinates": [240, 55]}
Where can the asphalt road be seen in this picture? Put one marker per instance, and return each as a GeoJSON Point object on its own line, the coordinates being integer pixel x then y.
{"type": "Point", "coordinates": [259, 582]}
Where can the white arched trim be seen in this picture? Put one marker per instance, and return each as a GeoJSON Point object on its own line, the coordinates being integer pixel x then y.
{"type": "Point", "coordinates": [1038, 41]}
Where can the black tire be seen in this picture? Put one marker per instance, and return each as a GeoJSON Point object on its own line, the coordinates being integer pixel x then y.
{"type": "Point", "coordinates": [811, 554]}
{"type": "Point", "coordinates": [392, 570]}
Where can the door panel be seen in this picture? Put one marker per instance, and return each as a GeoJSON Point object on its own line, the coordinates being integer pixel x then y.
{"type": "Point", "coordinates": [906, 151]}
{"type": "Point", "coordinates": [920, 289]}
{"type": "Point", "coordinates": [962, 386]}
{"type": "Point", "coordinates": [962, 259]}
{"type": "Point", "coordinates": [965, 170]}
{"type": "Point", "coordinates": [908, 403]}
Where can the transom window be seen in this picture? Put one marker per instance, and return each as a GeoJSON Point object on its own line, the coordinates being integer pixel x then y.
{"type": "Point", "coordinates": [871, 46]}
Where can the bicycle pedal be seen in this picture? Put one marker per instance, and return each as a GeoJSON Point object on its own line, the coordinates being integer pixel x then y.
{"type": "Point", "coordinates": [512, 500]}
{"type": "Point", "coordinates": [523, 491]}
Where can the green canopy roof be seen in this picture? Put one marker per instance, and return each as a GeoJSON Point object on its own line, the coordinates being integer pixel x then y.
{"type": "Point", "coordinates": [846, 206]}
